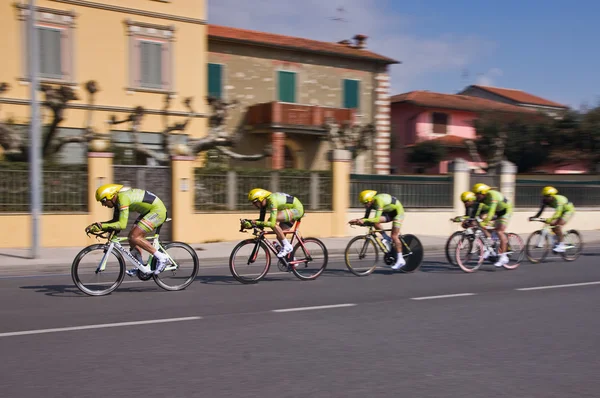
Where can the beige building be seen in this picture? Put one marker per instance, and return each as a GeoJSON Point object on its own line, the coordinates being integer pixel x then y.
{"type": "Point", "coordinates": [136, 51]}
{"type": "Point", "coordinates": [287, 86]}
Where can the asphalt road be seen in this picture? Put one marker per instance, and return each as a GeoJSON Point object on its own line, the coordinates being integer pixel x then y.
{"type": "Point", "coordinates": [388, 334]}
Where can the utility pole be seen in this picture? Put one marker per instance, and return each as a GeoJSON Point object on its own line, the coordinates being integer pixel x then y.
{"type": "Point", "coordinates": [35, 170]}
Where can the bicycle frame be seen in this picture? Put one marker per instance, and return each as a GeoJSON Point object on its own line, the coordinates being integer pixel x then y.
{"type": "Point", "coordinates": [115, 243]}
{"type": "Point", "coordinates": [372, 235]}
{"type": "Point", "coordinates": [261, 235]}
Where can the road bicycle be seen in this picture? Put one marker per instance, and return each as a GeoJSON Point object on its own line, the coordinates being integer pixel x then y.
{"type": "Point", "coordinates": [362, 252]}
{"type": "Point", "coordinates": [541, 241]}
{"type": "Point", "coordinates": [476, 247]}
{"type": "Point", "coordinates": [250, 260]}
{"type": "Point", "coordinates": [96, 263]}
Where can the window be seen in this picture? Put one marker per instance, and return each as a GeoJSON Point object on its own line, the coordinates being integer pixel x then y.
{"type": "Point", "coordinates": [287, 86]}
{"type": "Point", "coordinates": [54, 29]}
{"type": "Point", "coordinates": [351, 94]}
{"type": "Point", "coordinates": [49, 45]}
{"type": "Point", "coordinates": [215, 80]}
{"type": "Point", "coordinates": [150, 57]}
{"type": "Point", "coordinates": [440, 122]}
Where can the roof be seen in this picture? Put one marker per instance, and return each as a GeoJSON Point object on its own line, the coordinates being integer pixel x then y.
{"type": "Point", "coordinates": [455, 102]}
{"type": "Point", "coordinates": [293, 43]}
{"type": "Point", "coordinates": [519, 96]}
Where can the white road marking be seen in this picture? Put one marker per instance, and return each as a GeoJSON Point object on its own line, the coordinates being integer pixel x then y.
{"type": "Point", "coordinates": [99, 326]}
{"type": "Point", "coordinates": [443, 296]}
{"type": "Point", "coordinates": [524, 289]}
{"type": "Point", "coordinates": [319, 307]}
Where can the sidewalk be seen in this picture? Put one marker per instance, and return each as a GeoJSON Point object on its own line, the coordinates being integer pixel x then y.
{"type": "Point", "coordinates": [54, 259]}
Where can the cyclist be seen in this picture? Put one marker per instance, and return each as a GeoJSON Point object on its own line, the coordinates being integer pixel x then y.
{"type": "Point", "coordinates": [152, 215]}
{"type": "Point", "coordinates": [283, 208]}
{"type": "Point", "coordinates": [564, 210]}
{"type": "Point", "coordinates": [387, 208]}
{"type": "Point", "coordinates": [471, 206]}
{"type": "Point", "coordinates": [498, 206]}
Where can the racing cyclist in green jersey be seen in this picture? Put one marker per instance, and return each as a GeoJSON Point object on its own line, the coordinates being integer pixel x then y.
{"type": "Point", "coordinates": [283, 208]}
{"type": "Point", "coordinates": [563, 212]}
{"type": "Point", "coordinates": [387, 208]}
{"type": "Point", "coordinates": [498, 206]}
{"type": "Point", "coordinates": [153, 214]}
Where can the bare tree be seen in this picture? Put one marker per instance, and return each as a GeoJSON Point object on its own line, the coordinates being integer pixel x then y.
{"type": "Point", "coordinates": [351, 137]}
{"type": "Point", "coordinates": [217, 138]}
{"type": "Point", "coordinates": [56, 100]}
{"type": "Point", "coordinates": [497, 149]}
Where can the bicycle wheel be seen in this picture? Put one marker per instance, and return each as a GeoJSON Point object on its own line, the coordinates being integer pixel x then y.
{"type": "Point", "coordinates": [312, 259]}
{"type": "Point", "coordinates": [537, 247]}
{"type": "Point", "coordinates": [184, 269]}
{"type": "Point", "coordinates": [414, 257]}
{"type": "Point", "coordinates": [469, 254]}
{"type": "Point", "coordinates": [515, 251]}
{"type": "Point", "coordinates": [87, 278]}
{"type": "Point", "coordinates": [249, 261]}
{"type": "Point", "coordinates": [574, 245]}
{"type": "Point", "coordinates": [361, 255]}
{"type": "Point", "coordinates": [451, 247]}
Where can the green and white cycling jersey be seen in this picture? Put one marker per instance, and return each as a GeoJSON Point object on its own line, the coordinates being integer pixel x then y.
{"type": "Point", "coordinates": [385, 205]}
{"type": "Point", "coordinates": [561, 205]}
{"type": "Point", "coordinates": [495, 203]}
{"type": "Point", "coordinates": [152, 210]}
{"type": "Point", "coordinates": [279, 201]}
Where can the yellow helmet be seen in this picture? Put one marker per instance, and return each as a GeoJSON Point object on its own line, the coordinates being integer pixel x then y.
{"type": "Point", "coordinates": [481, 188]}
{"type": "Point", "coordinates": [468, 196]}
{"type": "Point", "coordinates": [549, 191]}
{"type": "Point", "coordinates": [107, 191]}
{"type": "Point", "coordinates": [258, 194]}
{"type": "Point", "coordinates": [366, 196]}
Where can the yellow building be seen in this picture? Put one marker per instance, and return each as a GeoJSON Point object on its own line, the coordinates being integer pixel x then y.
{"type": "Point", "coordinates": [136, 51]}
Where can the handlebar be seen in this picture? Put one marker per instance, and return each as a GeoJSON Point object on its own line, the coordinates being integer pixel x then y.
{"type": "Point", "coordinates": [108, 234]}
{"type": "Point", "coordinates": [256, 230]}
{"type": "Point", "coordinates": [537, 219]}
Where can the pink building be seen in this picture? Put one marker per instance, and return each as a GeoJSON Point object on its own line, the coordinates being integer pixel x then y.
{"type": "Point", "coordinates": [422, 115]}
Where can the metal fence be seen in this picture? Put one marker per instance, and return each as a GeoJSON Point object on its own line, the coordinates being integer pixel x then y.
{"type": "Point", "coordinates": [228, 190]}
{"type": "Point", "coordinates": [412, 191]}
{"type": "Point", "coordinates": [64, 191]}
{"type": "Point", "coordinates": [581, 193]}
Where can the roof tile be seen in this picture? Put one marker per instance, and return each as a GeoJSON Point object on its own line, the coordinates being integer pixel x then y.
{"type": "Point", "coordinates": [456, 102]}
{"type": "Point", "coordinates": [520, 96]}
{"type": "Point", "coordinates": [270, 39]}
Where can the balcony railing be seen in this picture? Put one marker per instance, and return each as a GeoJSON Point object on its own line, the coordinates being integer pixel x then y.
{"type": "Point", "coordinates": [280, 114]}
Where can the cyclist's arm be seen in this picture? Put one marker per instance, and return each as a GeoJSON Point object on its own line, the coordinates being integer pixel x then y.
{"type": "Point", "coordinates": [272, 216]}
{"type": "Point", "coordinates": [123, 211]}
{"type": "Point", "coordinates": [492, 209]}
{"type": "Point", "coordinates": [539, 213]}
{"type": "Point", "coordinates": [378, 212]}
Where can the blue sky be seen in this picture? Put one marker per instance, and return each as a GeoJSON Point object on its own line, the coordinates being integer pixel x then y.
{"type": "Point", "coordinates": [547, 48]}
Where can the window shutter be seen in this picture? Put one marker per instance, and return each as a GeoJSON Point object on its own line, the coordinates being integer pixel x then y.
{"type": "Point", "coordinates": [215, 80]}
{"type": "Point", "coordinates": [166, 66]}
{"type": "Point", "coordinates": [287, 86]}
{"type": "Point", "coordinates": [351, 94]}
{"type": "Point", "coordinates": [137, 67]}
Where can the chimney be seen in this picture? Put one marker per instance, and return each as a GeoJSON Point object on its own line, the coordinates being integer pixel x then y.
{"type": "Point", "coordinates": [344, 43]}
{"type": "Point", "coordinates": [360, 41]}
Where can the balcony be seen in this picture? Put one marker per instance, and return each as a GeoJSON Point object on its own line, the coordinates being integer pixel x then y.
{"type": "Point", "coordinates": [308, 119]}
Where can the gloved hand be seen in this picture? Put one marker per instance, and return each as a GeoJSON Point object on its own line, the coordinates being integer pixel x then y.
{"type": "Point", "coordinates": [548, 221]}
{"type": "Point", "coordinates": [457, 218]}
{"type": "Point", "coordinates": [94, 228]}
{"type": "Point", "coordinates": [247, 224]}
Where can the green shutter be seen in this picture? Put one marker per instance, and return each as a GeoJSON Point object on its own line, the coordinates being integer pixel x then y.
{"type": "Point", "coordinates": [351, 94]}
{"type": "Point", "coordinates": [49, 45]}
{"type": "Point", "coordinates": [287, 86]}
{"type": "Point", "coordinates": [215, 80]}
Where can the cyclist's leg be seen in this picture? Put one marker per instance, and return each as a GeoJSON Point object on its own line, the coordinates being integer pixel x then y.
{"type": "Point", "coordinates": [396, 225]}
{"type": "Point", "coordinates": [146, 224]}
{"type": "Point", "coordinates": [286, 218]}
{"type": "Point", "coordinates": [500, 225]}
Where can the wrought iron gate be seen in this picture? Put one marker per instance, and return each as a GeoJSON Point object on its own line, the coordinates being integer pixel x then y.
{"type": "Point", "coordinates": [156, 179]}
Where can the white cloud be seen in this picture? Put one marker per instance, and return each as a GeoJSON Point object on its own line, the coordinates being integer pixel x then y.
{"type": "Point", "coordinates": [388, 33]}
{"type": "Point", "coordinates": [487, 78]}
